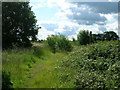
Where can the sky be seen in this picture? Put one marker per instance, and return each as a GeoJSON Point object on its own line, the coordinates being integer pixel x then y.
{"type": "Point", "coordinates": [69, 17]}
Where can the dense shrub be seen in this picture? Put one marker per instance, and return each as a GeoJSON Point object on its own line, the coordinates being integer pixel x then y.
{"type": "Point", "coordinates": [93, 66]}
{"type": "Point", "coordinates": [59, 42]}
{"type": "Point", "coordinates": [6, 81]}
{"type": "Point", "coordinates": [63, 43]}
{"type": "Point", "coordinates": [84, 37]}
{"type": "Point", "coordinates": [52, 42]}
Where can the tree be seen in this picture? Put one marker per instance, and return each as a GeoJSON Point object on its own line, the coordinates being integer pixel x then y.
{"type": "Point", "coordinates": [110, 35]}
{"type": "Point", "coordinates": [18, 24]}
{"type": "Point", "coordinates": [84, 37]}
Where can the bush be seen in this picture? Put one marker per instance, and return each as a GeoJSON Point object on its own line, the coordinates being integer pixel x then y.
{"type": "Point", "coordinates": [63, 43]}
{"type": "Point", "coordinates": [6, 81]}
{"type": "Point", "coordinates": [84, 37]}
{"type": "Point", "coordinates": [93, 66]}
{"type": "Point", "coordinates": [52, 42]}
{"type": "Point", "coordinates": [59, 42]}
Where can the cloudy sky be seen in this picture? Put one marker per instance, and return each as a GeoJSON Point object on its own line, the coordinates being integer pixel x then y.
{"type": "Point", "coordinates": [68, 18]}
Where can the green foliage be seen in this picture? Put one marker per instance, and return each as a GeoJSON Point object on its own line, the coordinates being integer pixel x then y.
{"type": "Point", "coordinates": [6, 80]}
{"type": "Point", "coordinates": [107, 36]}
{"type": "Point", "coordinates": [52, 42]}
{"type": "Point", "coordinates": [110, 35]}
{"type": "Point", "coordinates": [92, 66]}
{"type": "Point", "coordinates": [18, 62]}
{"type": "Point", "coordinates": [59, 42]}
{"type": "Point", "coordinates": [63, 43]}
{"type": "Point", "coordinates": [18, 24]}
{"type": "Point", "coordinates": [84, 37]}
{"type": "Point", "coordinates": [28, 70]}
{"type": "Point", "coordinates": [37, 51]}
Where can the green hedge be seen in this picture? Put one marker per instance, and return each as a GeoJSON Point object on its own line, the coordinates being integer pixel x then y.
{"type": "Point", "coordinates": [93, 66]}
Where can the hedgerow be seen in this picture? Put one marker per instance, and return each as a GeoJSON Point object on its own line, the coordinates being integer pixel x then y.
{"type": "Point", "coordinates": [92, 66]}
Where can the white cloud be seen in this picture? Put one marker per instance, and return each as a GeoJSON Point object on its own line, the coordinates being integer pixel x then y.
{"type": "Point", "coordinates": [64, 8]}
{"type": "Point", "coordinates": [66, 28]}
{"type": "Point", "coordinates": [43, 34]}
{"type": "Point", "coordinates": [63, 14]}
{"type": "Point", "coordinates": [112, 27]}
{"type": "Point", "coordinates": [73, 17]}
{"type": "Point", "coordinates": [59, 30]}
{"type": "Point", "coordinates": [37, 6]}
{"type": "Point", "coordinates": [93, 28]}
{"type": "Point", "coordinates": [37, 1]}
{"type": "Point", "coordinates": [82, 13]}
{"type": "Point", "coordinates": [59, 3]}
{"type": "Point", "coordinates": [110, 17]}
{"type": "Point", "coordinates": [101, 7]}
{"type": "Point", "coordinates": [70, 37]}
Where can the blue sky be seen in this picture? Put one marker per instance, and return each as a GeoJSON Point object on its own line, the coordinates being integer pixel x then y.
{"type": "Point", "coordinates": [68, 18]}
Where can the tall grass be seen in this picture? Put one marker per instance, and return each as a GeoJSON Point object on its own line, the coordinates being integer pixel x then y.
{"type": "Point", "coordinates": [19, 62]}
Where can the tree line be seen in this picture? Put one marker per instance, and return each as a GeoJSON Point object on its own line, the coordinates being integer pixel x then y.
{"type": "Point", "coordinates": [86, 37]}
{"type": "Point", "coordinates": [19, 26]}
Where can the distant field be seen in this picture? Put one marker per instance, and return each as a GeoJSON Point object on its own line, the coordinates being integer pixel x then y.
{"type": "Point", "coordinates": [94, 65]}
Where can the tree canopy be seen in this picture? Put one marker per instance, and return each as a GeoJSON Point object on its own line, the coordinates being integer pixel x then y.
{"type": "Point", "coordinates": [110, 35]}
{"type": "Point", "coordinates": [18, 24]}
{"type": "Point", "coordinates": [107, 36]}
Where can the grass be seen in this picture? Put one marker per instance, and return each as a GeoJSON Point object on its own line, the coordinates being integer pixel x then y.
{"type": "Point", "coordinates": [32, 67]}
{"type": "Point", "coordinates": [18, 62]}
{"type": "Point", "coordinates": [45, 74]}
{"type": "Point", "coordinates": [38, 67]}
